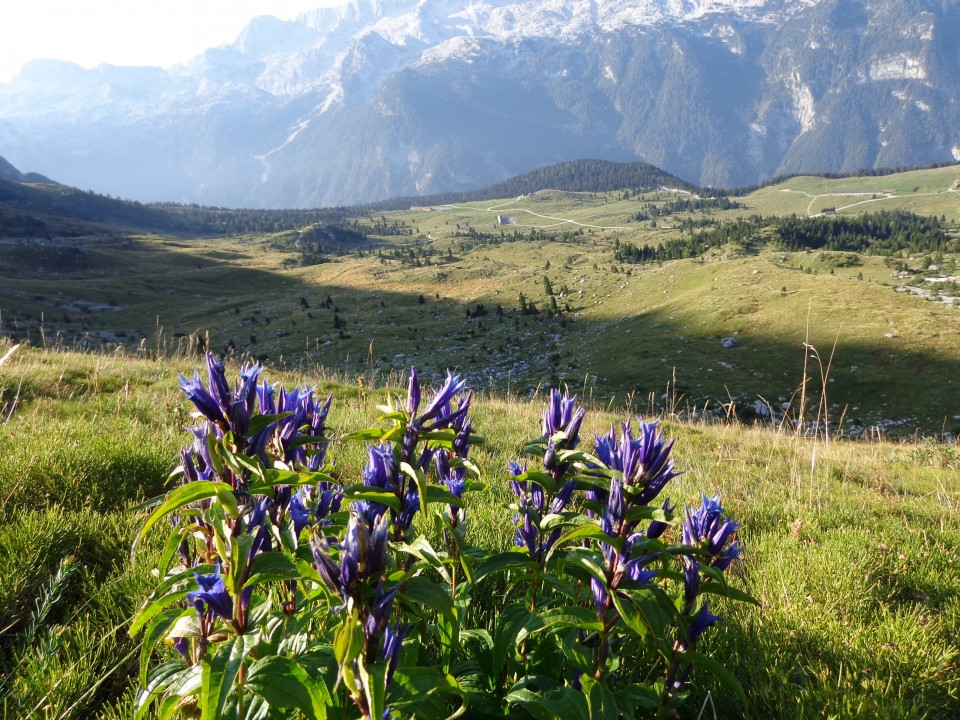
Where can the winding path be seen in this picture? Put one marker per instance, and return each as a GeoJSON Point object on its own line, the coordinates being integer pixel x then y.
{"type": "Point", "coordinates": [560, 221]}
{"type": "Point", "coordinates": [875, 197]}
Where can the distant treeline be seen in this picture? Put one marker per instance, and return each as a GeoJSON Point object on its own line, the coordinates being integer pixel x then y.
{"type": "Point", "coordinates": [223, 221]}
{"type": "Point", "coordinates": [882, 233]}
{"type": "Point", "coordinates": [574, 176]}
{"type": "Point", "coordinates": [691, 204]}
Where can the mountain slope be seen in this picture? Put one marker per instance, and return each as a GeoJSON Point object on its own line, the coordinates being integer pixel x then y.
{"type": "Point", "coordinates": [381, 98]}
{"type": "Point", "coordinates": [9, 173]}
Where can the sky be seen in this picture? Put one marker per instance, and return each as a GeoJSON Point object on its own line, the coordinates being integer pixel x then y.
{"type": "Point", "coordinates": [127, 32]}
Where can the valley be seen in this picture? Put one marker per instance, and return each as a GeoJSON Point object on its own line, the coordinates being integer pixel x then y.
{"type": "Point", "coordinates": [546, 297]}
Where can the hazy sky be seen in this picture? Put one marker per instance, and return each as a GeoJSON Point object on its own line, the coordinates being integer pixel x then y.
{"type": "Point", "coordinates": [127, 32]}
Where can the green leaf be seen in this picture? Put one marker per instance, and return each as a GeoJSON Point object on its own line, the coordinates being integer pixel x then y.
{"type": "Point", "coordinates": [425, 693]}
{"type": "Point", "coordinates": [420, 478]}
{"type": "Point", "coordinates": [284, 683]}
{"type": "Point", "coordinates": [368, 435]}
{"type": "Point", "coordinates": [576, 652]}
{"type": "Point", "coordinates": [510, 623]}
{"type": "Point", "coordinates": [273, 478]}
{"type": "Point", "coordinates": [645, 609]}
{"type": "Point", "coordinates": [152, 608]}
{"type": "Point", "coordinates": [160, 678]}
{"type": "Point", "coordinates": [169, 550]}
{"type": "Point", "coordinates": [503, 561]}
{"type": "Point", "coordinates": [602, 703]}
{"type": "Point", "coordinates": [363, 492]}
{"type": "Point", "coordinates": [240, 464]}
{"type": "Point", "coordinates": [646, 512]}
{"type": "Point", "coordinates": [347, 645]}
{"type": "Point", "coordinates": [187, 625]}
{"type": "Point", "coordinates": [307, 571]}
{"type": "Point", "coordinates": [176, 499]}
{"type": "Point", "coordinates": [589, 561]}
{"type": "Point", "coordinates": [439, 494]}
{"type": "Point", "coordinates": [631, 615]}
{"type": "Point", "coordinates": [227, 498]}
{"type": "Point", "coordinates": [186, 685]}
{"type": "Point", "coordinates": [577, 617]}
{"type": "Point", "coordinates": [564, 703]}
{"type": "Point", "coordinates": [261, 422]}
{"type": "Point", "coordinates": [421, 591]}
{"type": "Point", "coordinates": [589, 530]}
{"type": "Point", "coordinates": [218, 672]}
{"type": "Point", "coordinates": [543, 479]}
{"type": "Point", "coordinates": [444, 437]}
{"type": "Point", "coordinates": [155, 632]}
{"type": "Point", "coordinates": [422, 549]}
{"type": "Point", "coordinates": [373, 681]}
{"type": "Point", "coordinates": [271, 566]}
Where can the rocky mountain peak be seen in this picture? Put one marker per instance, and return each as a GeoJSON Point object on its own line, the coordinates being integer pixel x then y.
{"type": "Point", "coordinates": [395, 97]}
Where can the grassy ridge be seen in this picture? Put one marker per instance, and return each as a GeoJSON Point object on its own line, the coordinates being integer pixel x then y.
{"type": "Point", "coordinates": [849, 545]}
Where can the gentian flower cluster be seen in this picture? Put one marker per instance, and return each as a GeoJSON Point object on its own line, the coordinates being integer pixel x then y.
{"type": "Point", "coordinates": [561, 430]}
{"type": "Point", "coordinates": [454, 476]}
{"type": "Point", "coordinates": [358, 581]}
{"type": "Point", "coordinates": [532, 508]}
{"type": "Point", "coordinates": [257, 490]}
{"type": "Point", "coordinates": [561, 423]}
{"type": "Point", "coordinates": [227, 410]}
{"type": "Point", "coordinates": [438, 415]}
{"type": "Point", "coordinates": [642, 467]}
{"type": "Point", "coordinates": [643, 462]}
{"type": "Point", "coordinates": [710, 530]}
{"type": "Point", "coordinates": [355, 568]}
{"type": "Point", "coordinates": [295, 438]}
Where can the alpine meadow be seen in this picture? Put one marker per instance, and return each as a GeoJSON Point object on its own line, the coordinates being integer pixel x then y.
{"type": "Point", "coordinates": [583, 359]}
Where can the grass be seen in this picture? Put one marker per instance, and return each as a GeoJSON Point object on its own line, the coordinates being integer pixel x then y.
{"type": "Point", "coordinates": [850, 545]}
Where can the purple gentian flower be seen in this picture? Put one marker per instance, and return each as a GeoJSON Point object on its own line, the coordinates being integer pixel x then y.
{"type": "Point", "coordinates": [299, 512]}
{"type": "Point", "coordinates": [658, 527]}
{"type": "Point", "coordinates": [644, 461]}
{"type": "Point", "coordinates": [392, 645]}
{"type": "Point", "coordinates": [413, 393]}
{"type": "Point", "coordinates": [219, 387]}
{"type": "Point", "coordinates": [202, 399]}
{"type": "Point", "coordinates": [379, 616]}
{"type": "Point", "coordinates": [212, 596]}
{"type": "Point", "coordinates": [709, 527]}
{"type": "Point", "coordinates": [439, 407]}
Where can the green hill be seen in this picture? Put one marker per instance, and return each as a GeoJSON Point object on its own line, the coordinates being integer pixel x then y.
{"type": "Point", "coordinates": [573, 176]}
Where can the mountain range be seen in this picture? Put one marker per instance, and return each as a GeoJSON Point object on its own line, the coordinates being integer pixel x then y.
{"type": "Point", "coordinates": [380, 98]}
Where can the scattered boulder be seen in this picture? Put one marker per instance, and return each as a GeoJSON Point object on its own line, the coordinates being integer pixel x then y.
{"type": "Point", "coordinates": [728, 342]}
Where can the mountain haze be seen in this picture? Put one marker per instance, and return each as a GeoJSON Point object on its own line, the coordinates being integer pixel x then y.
{"type": "Point", "coordinates": [380, 98]}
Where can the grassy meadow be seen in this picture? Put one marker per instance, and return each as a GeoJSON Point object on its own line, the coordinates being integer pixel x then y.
{"type": "Point", "coordinates": [443, 291]}
{"type": "Point", "coordinates": [850, 546]}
